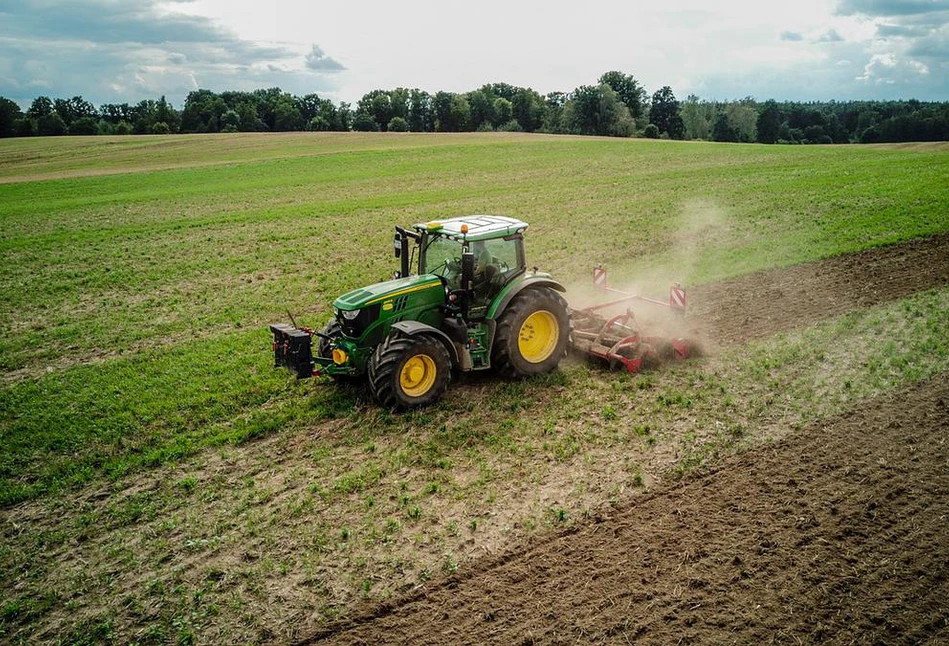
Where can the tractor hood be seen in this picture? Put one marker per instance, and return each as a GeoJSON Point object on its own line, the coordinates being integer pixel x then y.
{"type": "Point", "coordinates": [372, 294]}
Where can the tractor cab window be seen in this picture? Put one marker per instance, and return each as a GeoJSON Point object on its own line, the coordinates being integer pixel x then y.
{"type": "Point", "coordinates": [443, 258]}
{"type": "Point", "coordinates": [496, 261]}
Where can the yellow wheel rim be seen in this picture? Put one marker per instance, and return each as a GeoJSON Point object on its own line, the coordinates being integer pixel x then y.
{"type": "Point", "coordinates": [538, 336]}
{"type": "Point", "coordinates": [418, 375]}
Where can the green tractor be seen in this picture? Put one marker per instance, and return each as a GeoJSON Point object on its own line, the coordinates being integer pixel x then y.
{"type": "Point", "coordinates": [463, 300]}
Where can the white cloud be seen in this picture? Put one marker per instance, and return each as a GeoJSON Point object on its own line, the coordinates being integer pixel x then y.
{"type": "Point", "coordinates": [887, 69]}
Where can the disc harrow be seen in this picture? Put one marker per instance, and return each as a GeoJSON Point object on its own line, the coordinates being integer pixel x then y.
{"type": "Point", "coordinates": [619, 339]}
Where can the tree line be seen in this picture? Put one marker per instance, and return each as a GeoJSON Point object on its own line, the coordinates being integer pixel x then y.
{"type": "Point", "coordinates": [617, 105]}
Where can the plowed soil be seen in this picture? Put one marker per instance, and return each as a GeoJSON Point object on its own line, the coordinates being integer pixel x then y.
{"type": "Point", "coordinates": [761, 304]}
{"type": "Point", "coordinates": [836, 534]}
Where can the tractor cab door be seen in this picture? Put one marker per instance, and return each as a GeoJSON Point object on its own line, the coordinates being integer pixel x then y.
{"type": "Point", "coordinates": [497, 262]}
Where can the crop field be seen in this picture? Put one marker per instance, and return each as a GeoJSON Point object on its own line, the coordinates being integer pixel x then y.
{"type": "Point", "coordinates": [161, 482]}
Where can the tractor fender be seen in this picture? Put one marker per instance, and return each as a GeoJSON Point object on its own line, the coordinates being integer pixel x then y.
{"type": "Point", "coordinates": [413, 328]}
{"type": "Point", "coordinates": [531, 281]}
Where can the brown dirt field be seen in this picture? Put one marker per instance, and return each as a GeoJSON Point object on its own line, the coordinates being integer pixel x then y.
{"type": "Point", "coordinates": [758, 305]}
{"type": "Point", "coordinates": [836, 534]}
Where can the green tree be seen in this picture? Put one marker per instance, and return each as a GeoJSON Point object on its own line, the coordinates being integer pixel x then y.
{"type": "Point", "coordinates": [452, 112]}
{"type": "Point", "coordinates": [722, 131]}
{"type": "Point", "coordinates": [25, 127]}
{"type": "Point", "coordinates": [10, 113]}
{"type": "Point", "coordinates": [83, 126]}
{"type": "Point", "coordinates": [143, 115]}
{"type": "Point", "coordinates": [503, 90]}
{"type": "Point", "coordinates": [381, 110]}
{"type": "Point", "coordinates": [75, 108]}
{"type": "Point", "coordinates": [503, 111]}
{"type": "Point", "coordinates": [581, 112]}
{"type": "Point", "coordinates": [160, 128]}
{"type": "Point", "coordinates": [629, 90]}
{"type": "Point", "coordinates": [202, 112]}
{"type": "Point", "coordinates": [769, 123]}
{"type": "Point", "coordinates": [554, 104]}
{"type": "Point", "coordinates": [318, 124]}
{"type": "Point", "coordinates": [42, 106]}
{"type": "Point", "coordinates": [697, 118]}
{"type": "Point", "coordinates": [165, 113]}
{"type": "Point", "coordinates": [309, 106]}
{"type": "Point", "coordinates": [287, 116]}
{"type": "Point", "coordinates": [481, 108]}
{"type": "Point", "coordinates": [247, 118]}
{"type": "Point", "coordinates": [345, 115]}
{"type": "Point", "coordinates": [399, 99]}
{"type": "Point", "coordinates": [123, 128]}
{"type": "Point", "coordinates": [664, 113]}
{"type": "Point", "coordinates": [324, 117]}
{"type": "Point", "coordinates": [651, 131]}
{"type": "Point", "coordinates": [398, 124]}
{"type": "Point", "coordinates": [230, 121]}
{"type": "Point", "coordinates": [364, 122]}
{"type": "Point", "coordinates": [377, 104]}
{"type": "Point", "coordinates": [528, 109]}
{"type": "Point", "coordinates": [115, 112]}
{"type": "Point", "coordinates": [266, 101]}
{"type": "Point", "coordinates": [743, 120]}
{"type": "Point", "coordinates": [50, 125]}
{"type": "Point", "coordinates": [597, 110]}
{"type": "Point", "coordinates": [421, 118]}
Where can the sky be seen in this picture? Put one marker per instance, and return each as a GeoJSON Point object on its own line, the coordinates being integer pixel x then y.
{"type": "Point", "coordinates": [129, 50]}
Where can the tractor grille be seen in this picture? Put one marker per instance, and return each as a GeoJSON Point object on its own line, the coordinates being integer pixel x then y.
{"type": "Point", "coordinates": [358, 325]}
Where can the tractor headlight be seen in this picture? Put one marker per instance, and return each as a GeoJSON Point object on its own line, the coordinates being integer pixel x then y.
{"type": "Point", "coordinates": [349, 315]}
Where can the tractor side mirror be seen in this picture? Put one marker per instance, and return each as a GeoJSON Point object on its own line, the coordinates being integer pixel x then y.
{"type": "Point", "coordinates": [400, 244]}
{"type": "Point", "coordinates": [467, 270]}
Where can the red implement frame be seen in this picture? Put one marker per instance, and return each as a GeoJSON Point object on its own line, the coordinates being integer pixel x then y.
{"type": "Point", "coordinates": [618, 339]}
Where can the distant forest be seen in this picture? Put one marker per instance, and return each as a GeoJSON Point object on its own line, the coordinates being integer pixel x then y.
{"type": "Point", "coordinates": [616, 106]}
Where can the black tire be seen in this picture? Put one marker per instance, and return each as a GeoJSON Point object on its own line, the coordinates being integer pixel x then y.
{"type": "Point", "coordinates": [325, 350]}
{"type": "Point", "coordinates": [391, 375]}
{"type": "Point", "coordinates": [507, 355]}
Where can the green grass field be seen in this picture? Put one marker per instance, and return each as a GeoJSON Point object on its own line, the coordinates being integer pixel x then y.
{"type": "Point", "coordinates": [139, 275]}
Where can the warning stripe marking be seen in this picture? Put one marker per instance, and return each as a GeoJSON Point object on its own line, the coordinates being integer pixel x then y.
{"type": "Point", "coordinates": [599, 277]}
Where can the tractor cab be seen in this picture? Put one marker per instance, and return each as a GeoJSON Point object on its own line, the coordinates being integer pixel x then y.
{"type": "Point", "coordinates": [474, 256]}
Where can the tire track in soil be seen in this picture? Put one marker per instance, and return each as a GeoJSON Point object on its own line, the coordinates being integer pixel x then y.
{"type": "Point", "coordinates": [760, 304]}
{"type": "Point", "coordinates": [836, 534]}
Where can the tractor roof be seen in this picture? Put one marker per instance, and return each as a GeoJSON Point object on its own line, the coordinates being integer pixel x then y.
{"type": "Point", "coordinates": [480, 227]}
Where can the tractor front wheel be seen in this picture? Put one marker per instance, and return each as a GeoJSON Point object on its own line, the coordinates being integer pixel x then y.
{"type": "Point", "coordinates": [409, 371]}
{"type": "Point", "coordinates": [532, 333]}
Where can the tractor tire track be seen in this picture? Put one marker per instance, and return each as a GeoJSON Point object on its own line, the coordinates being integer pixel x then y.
{"type": "Point", "coordinates": [757, 305]}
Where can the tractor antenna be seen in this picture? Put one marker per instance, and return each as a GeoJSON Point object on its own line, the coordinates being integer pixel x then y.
{"type": "Point", "coordinates": [291, 319]}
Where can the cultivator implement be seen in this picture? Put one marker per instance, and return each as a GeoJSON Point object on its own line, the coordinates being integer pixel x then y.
{"type": "Point", "coordinates": [619, 339]}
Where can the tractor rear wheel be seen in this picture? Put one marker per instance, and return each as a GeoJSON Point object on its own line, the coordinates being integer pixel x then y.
{"type": "Point", "coordinates": [409, 371]}
{"type": "Point", "coordinates": [532, 333]}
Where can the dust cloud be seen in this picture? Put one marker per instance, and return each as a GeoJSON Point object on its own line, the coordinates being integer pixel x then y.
{"type": "Point", "coordinates": [701, 223]}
